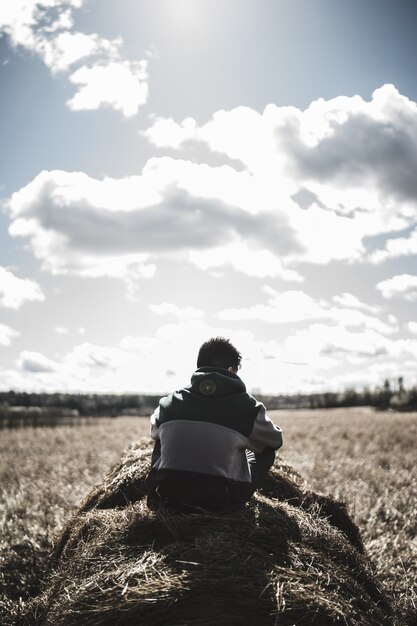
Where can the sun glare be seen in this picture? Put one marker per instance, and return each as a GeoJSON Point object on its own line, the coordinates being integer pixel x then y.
{"type": "Point", "coordinates": [186, 17]}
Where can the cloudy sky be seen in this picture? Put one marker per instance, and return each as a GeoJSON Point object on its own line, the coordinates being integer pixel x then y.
{"type": "Point", "coordinates": [173, 170]}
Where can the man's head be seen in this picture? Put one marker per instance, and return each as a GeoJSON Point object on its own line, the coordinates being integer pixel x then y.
{"type": "Point", "coordinates": [219, 352]}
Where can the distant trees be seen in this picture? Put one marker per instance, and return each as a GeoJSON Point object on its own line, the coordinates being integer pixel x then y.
{"type": "Point", "coordinates": [23, 408]}
{"type": "Point", "coordinates": [44, 408]}
{"type": "Point", "coordinates": [85, 404]}
{"type": "Point", "coordinates": [388, 395]}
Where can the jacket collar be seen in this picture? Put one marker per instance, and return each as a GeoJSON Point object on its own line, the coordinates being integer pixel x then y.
{"type": "Point", "coordinates": [215, 382]}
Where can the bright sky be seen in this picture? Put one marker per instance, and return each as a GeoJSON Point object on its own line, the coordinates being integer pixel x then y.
{"type": "Point", "coordinates": [173, 170]}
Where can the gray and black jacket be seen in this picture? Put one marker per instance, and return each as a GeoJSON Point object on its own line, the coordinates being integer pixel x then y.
{"type": "Point", "coordinates": [204, 431]}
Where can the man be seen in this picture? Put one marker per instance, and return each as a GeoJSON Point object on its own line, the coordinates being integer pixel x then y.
{"type": "Point", "coordinates": [214, 441]}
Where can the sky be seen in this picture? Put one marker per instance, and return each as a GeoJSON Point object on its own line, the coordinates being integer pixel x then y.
{"type": "Point", "coordinates": [175, 170]}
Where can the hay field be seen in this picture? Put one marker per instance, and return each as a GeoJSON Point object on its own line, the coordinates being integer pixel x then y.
{"type": "Point", "coordinates": [362, 457]}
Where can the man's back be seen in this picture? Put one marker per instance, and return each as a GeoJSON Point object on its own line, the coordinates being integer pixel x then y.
{"type": "Point", "coordinates": [203, 432]}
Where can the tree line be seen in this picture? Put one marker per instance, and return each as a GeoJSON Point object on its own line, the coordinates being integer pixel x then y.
{"type": "Point", "coordinates": [90, 404]}
{"type": "Point", "coordinates": [390, 394]}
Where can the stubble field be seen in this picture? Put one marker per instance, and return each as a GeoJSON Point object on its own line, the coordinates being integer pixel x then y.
{"type": "Point", "coordinates": [358, 455]}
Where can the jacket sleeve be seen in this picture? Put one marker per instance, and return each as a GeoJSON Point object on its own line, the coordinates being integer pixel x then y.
{"type": "Point", "coordinates": [155, 424]}
{"type": "Point", "coordinates": [264, 433]}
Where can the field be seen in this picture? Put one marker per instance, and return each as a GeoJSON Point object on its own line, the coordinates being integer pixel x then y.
{"type": "Point", "coordinates": [358, 455]}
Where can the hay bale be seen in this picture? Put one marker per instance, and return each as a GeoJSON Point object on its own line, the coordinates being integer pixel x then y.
{"type": "Point", "coordinates": [291, 557]}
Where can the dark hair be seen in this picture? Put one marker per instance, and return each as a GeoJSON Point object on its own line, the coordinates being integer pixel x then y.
{"type": "Point", "coordinates": [219, 352]}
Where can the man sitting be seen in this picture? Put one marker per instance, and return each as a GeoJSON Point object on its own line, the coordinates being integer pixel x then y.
{"type": "Point", "coordinates": [214, 443]}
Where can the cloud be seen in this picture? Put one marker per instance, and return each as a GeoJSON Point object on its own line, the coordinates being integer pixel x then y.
{"type": "Point", "coordinates": [350, 301]}
{"type": "Point", "coordinates": [322, 345]}
{"type": "Point", "coordinates": [19, 18]}
{"type": "Point", "coordinates": [174, 347]}
{"type": "Point", "coordinates": [95, 358]}
{"type": "Point", "coordinates": [85, 367]}
{"type": "Point", "coordinates": [361, 141]}
{"type": "Point", "coordinates": [310, 359]}
{"type": "Point", "coordinates": [397, 247]}
{"type": "Point", "coordinates": [294, 306]}
{"type": "Point", "coordinates": [67, 48]}
{"type": "Point", "coordinates": [242, 134]}
{"type": "Point", "coordinates": [36, 363]}
{"type": "Point", "coordinates": [338, 357]}
{"type": "Point", "coordinates": [286, 307]}
{"type": "Point", "coordinates": [105, 79]}
{"type": "Point", "coordinates": [15, 291]}
{"type": "Point", "coordinates": [333, 142]}
{"type": "Point", "coordinates": [260, 263]}
{"type": "Point", "coordinates": [7, 335]}
{"type": "Point", "coordinates": [138, 364]}
{"type": "Point", "coordinates": [50, 210]}
{"type": "Point", "coordinates": [116, 236]}
{"type": "Point", "coordinates": [151, 363]}
{"type": "Point", "coordinates": [167, 308]}
{"type": "Point", "coordinates": [122, 86]}
{"type": "Point", "coordinates": [412, 327]}
{"type": "Point", "coordinates": [401, 286]}
{"type": "Point", "coordinates": [166, 133]}
{"type": "Point", "coordinates": [252, 220]}
{"type": "Point", "coordinates": [355, 160]}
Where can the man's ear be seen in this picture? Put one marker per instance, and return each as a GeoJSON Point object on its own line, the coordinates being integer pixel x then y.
{"type": "Point", "coordinates": [232, 369]}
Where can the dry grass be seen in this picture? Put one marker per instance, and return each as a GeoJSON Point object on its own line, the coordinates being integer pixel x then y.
{"type": "Point", "coordinates": [366, 459]}
{"type": "Point", "coordinates": [288, 558]}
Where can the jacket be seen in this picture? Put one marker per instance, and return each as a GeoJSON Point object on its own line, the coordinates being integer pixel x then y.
{"type": "Point", "coordinates": [203, 432]}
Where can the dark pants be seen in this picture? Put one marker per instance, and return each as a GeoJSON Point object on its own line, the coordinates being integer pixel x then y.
{"type": "Point", "coordinates": [259, 464]}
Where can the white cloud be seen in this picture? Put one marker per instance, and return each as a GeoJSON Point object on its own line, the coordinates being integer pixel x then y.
{"type": "Point", "coordinates": [293, 306]}
{"type": "Point", "coordinates": [86, 367]}
{"type": "Point", "coordinates": [108, 243]}
{"type": "Point", "coordinates": [166, 133]}
{"type": "Point", "coordinates": [327, 236]}
{"type": "Point", "coordinates": [128, 222]}
{"type": "Point", "coordinates": [46, 29]}
{"type": "Point", "coordinates": [122, 86]}
{"type": "Point", "coordinates": [356, 158]}
{"type": "Point", "coordinates": [174, 347]}
{"type": "Point", "coordinates": [222, 183]}
{"type": "Point", "coordinates": [19, 18]}
{"type": "Point", "coordinates": [218, 217]}
{"type": "Point", "coordinates": [397, 247]}
{"type": "Point", "coordinates": [96, 358]}
{"type": "Point", "coordinates": [311, 359]}
{"type": "Point", "coordinates": [253, 262]}
{"type": "Point", "coordinates": [352, 318]}
{"type": "Point", "coordinates": [15, 291]}
{"type": "Point", "coordinates": [286, 307]}
{"type": "Point", "coordinates": [152, 364]}
{"type": "Point", "coordinates": [186, 313]}
{"type": "Point", "coordinates": [412, 327]}
{"type": "Point", "coordinates": [35, 363]}
{"type": "Point", "coordinates": [241, 134]}
{"type": "Point", "coordinates": [7, 335]}
{"type": "Point", "coordinates": [350, 301]}
{"type": "Point", "coordinates": [345, 357]}
{"type": "Point", "coordinates": [323, 346]}
{"type": "Point", "coordinates": [66, 48]}
{"type": "Point", "coordinates": [401, 286]}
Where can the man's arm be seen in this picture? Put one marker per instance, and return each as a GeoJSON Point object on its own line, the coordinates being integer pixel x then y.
{"type": "Point", "coordinates": [264, 433]}
{"type": "Point", "coordinates": [156, 453]}
{"type": "Point", "coordinates": [155, 424]}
